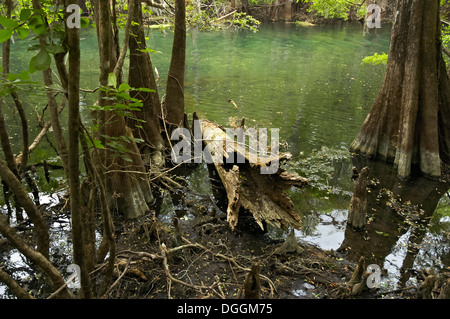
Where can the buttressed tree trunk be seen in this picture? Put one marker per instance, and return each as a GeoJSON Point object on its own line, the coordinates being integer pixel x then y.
{"type": "Point", "coordinates": [141, 76]}
{"type": "Point", "coordinates": [409, 122]}
{"type": "Point", "coordinates": [127, 184]}
{"type": "Point", "coordinates": [174, 102]}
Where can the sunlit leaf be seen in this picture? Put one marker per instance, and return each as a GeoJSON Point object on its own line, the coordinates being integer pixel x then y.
{"type": "Point", "coordinates": [123, 87]}
{"type": "Point", "coordinates": [112, 80]}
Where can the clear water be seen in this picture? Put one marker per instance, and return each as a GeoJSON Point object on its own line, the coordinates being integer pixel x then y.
{"type": "Point", "coordinates": [309, 83]}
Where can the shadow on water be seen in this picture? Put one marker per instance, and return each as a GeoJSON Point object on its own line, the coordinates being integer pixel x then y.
{"type": "Point", "coordinates": [408, 222]}
{"type": "Point", "coordinates": [404, 232]}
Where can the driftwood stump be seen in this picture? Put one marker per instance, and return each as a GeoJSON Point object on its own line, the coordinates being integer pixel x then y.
{"type": "Point", "coordinates": [252, 283]}
{"type": "Point", "coordinates": [358, 203]}
{"type": "Point", "coordinates": [246, 187]}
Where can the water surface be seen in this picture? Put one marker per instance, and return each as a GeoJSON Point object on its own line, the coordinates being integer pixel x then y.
{"type": "Point", "coordinates": [309, 83]}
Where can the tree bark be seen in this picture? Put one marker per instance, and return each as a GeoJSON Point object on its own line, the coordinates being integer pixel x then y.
{"type": "Point", "coordinates": [102, 14]}
{"type": "Point", "coordinates": [129, 193]}
{"type": "Point", "coordinates": [141, 76]}
{"type": "Point", "coordinates": [407, 124]}
{"type": "Point", "coordinates": [4, 137]}
{"type": "Point", "coordinates": [77, 209]}
{"type": "Point", "coordinates": [263, 195]}
{"type": "Point", "coordinates": [174, 102]}
{"type": "Point", "coordinates": [358, 203]}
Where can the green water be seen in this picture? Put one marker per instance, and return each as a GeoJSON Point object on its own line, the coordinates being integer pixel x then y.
{"type": "Point", "coordinates": [308, 82]}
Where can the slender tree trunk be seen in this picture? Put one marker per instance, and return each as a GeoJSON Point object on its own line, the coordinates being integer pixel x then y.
{"type": "Point", "coordinates": [53, 107]}
{"type": "Point", "coordinates": [104, 35]}
{"type": "Point", "coordinates": [407, 123]}
{"type": "Point", "coordinates": [24, 201]}
{"type": "Point", "coordinates": [50, 272]}
{"type": "Point", "coordinates": [4, 137]}
{"type": "Point", "coordinates": [174, 102]}
{"type": "Point", "coordinates": [77, 209]}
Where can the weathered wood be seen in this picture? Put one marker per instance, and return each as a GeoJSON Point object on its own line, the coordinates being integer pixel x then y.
{"type": "Point", "coordinates": [358, 203]}
{"type": "Point", "coordinates": [246, 187]}
{"type": "Point", "coordinates": [252, 283]}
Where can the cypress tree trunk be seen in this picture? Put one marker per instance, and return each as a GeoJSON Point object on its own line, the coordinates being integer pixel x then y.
{"type": "Point", "coordinates": [141, 76]}
{"type": "Point", "coordinates": [127, 185]}
{"type": "Point", "coordinates": [174, 103]}
{"type": "Point", "coordinates": [408, 123]}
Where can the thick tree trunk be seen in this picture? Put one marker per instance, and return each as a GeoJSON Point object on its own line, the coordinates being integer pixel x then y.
{"type": "Point", "coordinates": [127, 184]}
{"type": "Point", "coordinates": [174, 102]}
{"type": "Point", "coordinates": [141, 76]}
{"type": "Point", "coordinates": [407, 123]}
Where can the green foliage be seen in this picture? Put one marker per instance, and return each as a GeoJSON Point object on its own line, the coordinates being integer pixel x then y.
{"type": "Point", "coordinates": [210, 17]}
{"type": "Point", "coordinates": [48, 21]}
{"type": "Point", "coordinates": [245, 21]}
{"type": "Point", "coordinates": [446, 35]}
{"type": "Point", "coordinates": [375, 59]}
{"type": "Point", "coordinates": [336, 8]}
{"type": "Point", "coordinates": [123, 105]}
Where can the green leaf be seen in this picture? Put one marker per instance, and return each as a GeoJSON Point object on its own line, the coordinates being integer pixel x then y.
{"type": "Point", "coordinates": [42, 61]}
{"type": "Point", "coordinates": [54, 48]}
{"type": "Point", "coordinates": [25, 14]}
{"type": "Point", "coordinates": [23, 32]}
{"type": "Point", "coordinates": [145, 90]}
{"type": "Point", "coordinates": [5, 35]}
{"type": "Point", "coordinates": [123, 95]}
{"type": "Point", "coordinates": [112, 80]}
{"type": "Point", "coordinates": [98, 144]}
{"type": "Point", "coordinates": [148, 50]}
{"type": "Point", "coordinates": [8, 23]}
{"type": "Point", "coordinates": [23, 76]}
{"type": "Point", "coordinates": [37, 24]}
{"type": "Point", "coordinates": [123, 87]}
{"type": "Point", "coordinates": [85, 22]}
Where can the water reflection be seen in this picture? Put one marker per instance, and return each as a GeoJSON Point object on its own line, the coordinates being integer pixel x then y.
{"type": "Point", "coordinates": [397, 234]}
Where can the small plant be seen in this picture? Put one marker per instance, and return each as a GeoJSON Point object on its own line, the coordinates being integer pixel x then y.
{"type": "Point", "coordinates": [375, 59]}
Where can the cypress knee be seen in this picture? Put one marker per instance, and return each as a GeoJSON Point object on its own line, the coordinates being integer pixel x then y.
{"type": "Point", "coordinates": [358, 203]}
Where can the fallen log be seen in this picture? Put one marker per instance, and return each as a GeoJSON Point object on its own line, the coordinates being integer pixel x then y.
{"type": "Point", "coordinates": [248, 176]}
